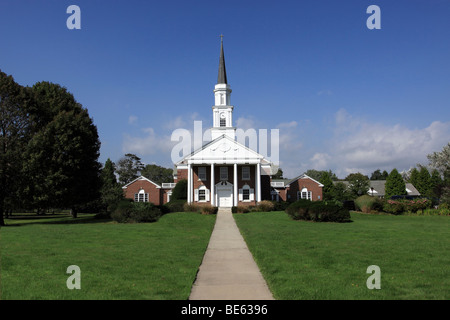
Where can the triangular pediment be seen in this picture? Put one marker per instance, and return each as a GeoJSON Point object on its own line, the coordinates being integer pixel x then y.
{"type": "Point", "coordinates": [224, 150]}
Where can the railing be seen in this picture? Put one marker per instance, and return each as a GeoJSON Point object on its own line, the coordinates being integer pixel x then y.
{"type": "Point", "coordinates": [168, 185]}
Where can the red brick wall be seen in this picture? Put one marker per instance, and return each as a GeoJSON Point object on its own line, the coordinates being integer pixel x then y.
{"type": "Point", "coordinates": [154, 194]}
{"type": "Point", "coordinates": [298, 185]}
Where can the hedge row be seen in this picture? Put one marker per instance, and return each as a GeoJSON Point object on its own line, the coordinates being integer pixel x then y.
{"type": "Point", "coordinates": [320, 211]}
{"type": "Point", "coordinates": [135, 212]}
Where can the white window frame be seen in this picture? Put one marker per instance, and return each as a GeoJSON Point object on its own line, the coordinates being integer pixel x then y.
{"type": "Point", "coordinates": [141, 196]}
{"type": "Point", "coordinates": [304, 194]}
{"type": "Point", "coordinates": [223, 173]}
{"type": "Point", "coordinates": [201, 173]}
{"type": "Point", "coordinates": [245, 173]}
{"type": "Point", "coordinates": [198, 194]}
{"type": "Point", "coordinates": [251, 193]}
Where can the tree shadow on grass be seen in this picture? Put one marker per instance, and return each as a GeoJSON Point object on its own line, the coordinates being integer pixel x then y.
{"type": "Point", "coordinates": [23, 220]}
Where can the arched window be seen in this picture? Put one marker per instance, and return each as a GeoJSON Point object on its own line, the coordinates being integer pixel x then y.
{"type": "Point", "coordinates": [142, 196]}
{"type": "Point", "coordinates": [304, 194]}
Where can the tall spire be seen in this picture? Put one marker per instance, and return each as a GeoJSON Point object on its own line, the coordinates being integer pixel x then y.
{"type": "Point", "coordinates": [222, 78]}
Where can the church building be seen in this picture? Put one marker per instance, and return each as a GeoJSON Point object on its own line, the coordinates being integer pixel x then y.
{"type": "Point", "coordinates": [224, 172]}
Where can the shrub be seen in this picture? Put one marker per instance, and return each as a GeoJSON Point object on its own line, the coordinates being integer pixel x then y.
{"type": "Point", "coordinates": [320, 211]}
{"type": "Point", "coordinates": [136, 212]}
{"type": "Point", "coordinates": [298, 210]}
{"type": "Point", "coordinates": [175, 205]}
{"type": "Point", "coordinates": [393, 206]}
{"type": "Point", "coordinates": [144, 212]}
{"type": "Point", "coordinates": [209, 209]}
{"type": "Point", "coordinates": [191, 207]}
{"type": "Point", "coordinates": [368, 204]}
{"type": "Point", "coordinates": [406, 205]}
{"type": "Point", "coordinates": [280, 205]}
{"type": "Point", "coordinates": [265, 206]}
{"type": "Point", "coordinates": [240, 209]}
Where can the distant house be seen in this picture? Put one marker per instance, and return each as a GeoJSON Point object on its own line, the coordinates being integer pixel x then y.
{"type": "Point", "coordinates": [376, 188]}
{"type": "Point", "coordinates": [145, 190]}
{"type": "Point", "coordinates": [301, 187]}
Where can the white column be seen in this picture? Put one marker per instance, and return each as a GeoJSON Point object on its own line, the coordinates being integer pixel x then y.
{"type": "Point", "coordinates": [258, 182]}
{"type": "Point", "coordinates": [212, 185]}
{"type": "Point", "coordinates": [189, 184]}
{"type": "Point", "coordinates": [235, 186]}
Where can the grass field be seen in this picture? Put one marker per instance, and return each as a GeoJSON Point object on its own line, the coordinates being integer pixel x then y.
{"type": "Point", "coordinates": [307, 260]}
{"type": "Point", "coordinates": [117, 261]}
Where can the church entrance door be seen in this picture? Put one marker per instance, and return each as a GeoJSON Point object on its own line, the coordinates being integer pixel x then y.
{"type": "Point", "coordinates": [225, 196]}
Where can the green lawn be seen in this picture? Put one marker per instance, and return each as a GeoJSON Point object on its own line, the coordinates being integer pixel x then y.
{"type": "Point", "coordinates": [308, 260]}
{"type": "Point", "coordinates": [117, 261]}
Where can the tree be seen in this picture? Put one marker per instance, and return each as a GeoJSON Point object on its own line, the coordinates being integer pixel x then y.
{"type": "Point", "coordinates": [414, 177]}
{"type": "Point", "coordinates": [62, 157]}
{"type": "Point", "coordinates": [14, 129]}
{"type": "Point", "coordinates": [395, 185]}
{"type": "Point", "coordinates": [111, 192]}
{"type": "Point", "coordinates": [327, 186]}
{"type": "Point", "coordinates": [441, 162]}
{"type": "Point", "coordinates": [423, 183]}
{"type": "Point", "coordinates": [358, 184]}
{"type": "Point", "coordinates": [317, 174]}
{"type": "Point", "coordinates": [377, 175]}
{"type": "Point", "coordinates": [157, 174]}
{"type": "Point", "coordinates": [129, 168]}
{"type": "Point", "coordinates": [436, 184]}
{"type": "Point", "coordinates": [340, 192]}
{"type": "Point", "coordinates": [278, 175]}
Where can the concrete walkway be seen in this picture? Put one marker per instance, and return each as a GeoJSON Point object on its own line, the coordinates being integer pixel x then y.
{"type": "Point", "coordinates": [228, 271]}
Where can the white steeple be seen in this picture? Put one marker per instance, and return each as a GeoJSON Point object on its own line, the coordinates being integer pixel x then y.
{"type": "Point", "coordinates": [222, 110]}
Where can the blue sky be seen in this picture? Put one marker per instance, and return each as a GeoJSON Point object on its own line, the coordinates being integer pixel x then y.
{"type": "Point", "coordinates": [344, 97]}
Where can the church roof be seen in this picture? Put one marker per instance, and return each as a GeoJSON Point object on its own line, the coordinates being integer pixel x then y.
{"type": "Point", "coordinates": [222, 77]}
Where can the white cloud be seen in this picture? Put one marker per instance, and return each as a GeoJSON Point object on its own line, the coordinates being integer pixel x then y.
{"type": "Point", "coordinates": [150, 144]}
{"type": "Point", "coordinates": [359, 145]}
{"type": "Point", "coordinates": [132, 119]}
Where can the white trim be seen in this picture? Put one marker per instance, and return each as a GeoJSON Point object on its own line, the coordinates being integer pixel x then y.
{"type": "Point", "coordinates": [140, 179]}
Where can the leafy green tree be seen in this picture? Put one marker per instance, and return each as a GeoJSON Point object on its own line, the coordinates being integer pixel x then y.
{"type": "Point", "coordinates": [278, 175]}
{"type": "Point", "coordinates": [395, 185]}
{"type": "Point", "coordinates": [317, 174]}
{"type": "Point", "coordinates": [358, 184]}
{"type": "Point", "coordinates": [129, 168]}
{"type": "Point", "coordinates": [327, 186]}
{"type": "Point", "coordinates": [157, 173]}
{"type": "Point", "coordinates": [62, 156]}
{"type": "Point", "coordinates": [414, 177]}
{"type": "Point", "coordinates": [111, 192]}
{"type": "Point", "coordinates": [14, 133]}
{"type": "Point", "coordinates": [340, 192]}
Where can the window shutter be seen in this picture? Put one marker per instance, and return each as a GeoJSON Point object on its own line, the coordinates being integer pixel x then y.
{"type": "Point", "coordinates": [196, 195]}
{"type": "Point", "coordinates": [252, 194]}
{"type": "Point", "coordinates": [240, 194]}
{"type": "Point", "coordinates": [207, 195]}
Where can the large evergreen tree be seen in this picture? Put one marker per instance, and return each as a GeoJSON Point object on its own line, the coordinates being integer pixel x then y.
{"type": "Point", "coordinates": [395, 185]}
{"type": "Point", "coordinates": [423, 183]}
